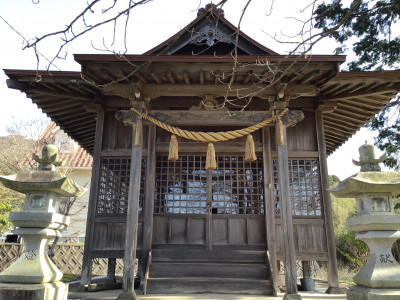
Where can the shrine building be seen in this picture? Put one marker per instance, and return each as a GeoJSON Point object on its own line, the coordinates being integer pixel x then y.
{"type": "Point", "coordinates": [209, 161]}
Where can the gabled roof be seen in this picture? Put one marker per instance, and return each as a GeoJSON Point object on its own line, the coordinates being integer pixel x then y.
{"type": "Point", "coordinates": [210, 34]}
{"type": "Point", "coordinates": [79, 158]}
{"type": "Point", "coordinates": [349, 100]}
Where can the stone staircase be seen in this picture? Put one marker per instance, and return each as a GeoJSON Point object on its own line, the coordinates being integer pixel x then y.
{"type": "Point", "coordinates": [221, 270]}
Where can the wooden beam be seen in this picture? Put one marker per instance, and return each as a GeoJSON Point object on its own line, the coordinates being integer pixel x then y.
{"type": "Point", "coordinates": [334, 128]}
{"type": "Point", "coordinates": [248, 77]}
{"type": "Point", "coordinates": [191, 147]}
{"type": "Point", "coordinates": [353, 102]}
{"type": "Point", "coordinates": [308, 76]}
{"type": "Point", "coordinates": [201, 78]}
{"type": "Point", "coordinates": [351, 114]}
{"type": "Point", "coordinates": [137, 88]}
{"type": "Point", "coordinates": [34, 93]}
{"type": "Point", "coordinates": [281, 90]}
{"type": "Point", "coordinates": [156, 77]}
{"type": "Point", "coordinates": [330, 88]}
{"type": "Point", "coordinates": [334, 137]}
{"type": "Point", "coordinates": [205, 118]}
{"type": "Point", "coordinates": [94, 184]}
{"type": "Point", "coordinates": [286, 215]}
{"type": "Point", "coordinates": [35, 90]}
{"type": "Point", "coordinates": [217, 75]}
{"type": "Point", "coordinates": [340, 123]}
{"type": "Point", "coordinates": [128, 280]}
{"type": "Point", "coordinates": [171, 77]}
{"type": "Point", "coordinates": [328, 76]}
{"type": "Point", "coordinates": [333, 279]}
{"type": "Point", "coordinates": [82, 122]}
{"type": "Point", "coordinates": [269, 201]}
{"type": "Point", "coordinates": [328, 139]}
{"type": "Point", "coordinates": [140, 77]}
{"type": "Point", "coordinates": [187, 78]}
{"type": "Point", "coordinates": [148, 202]}
{"type": "Point", "coordinates": [337, 118]}
{"type": "Point", "coordinates": [58, 107]}
{"type": "Point", "coordinates": [341, 89]}
{"type": "Point", "coordinates": [367, 92]}
{"type": "Point", "coordinates": [356, 87]}
{"type": "Point", "coordinates": [169, 90]}
{"type": "Point", "coordinates": [70, 114]}
{"type": "Point", "coordinates": [358, 109]}
{"type": "Point", "coordinates": [377, 100]}
{"type": "Point", "coordinates": [84, 130]}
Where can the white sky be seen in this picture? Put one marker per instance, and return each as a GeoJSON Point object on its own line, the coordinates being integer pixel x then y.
{"type": "Point", "coordinates": [149, 25]}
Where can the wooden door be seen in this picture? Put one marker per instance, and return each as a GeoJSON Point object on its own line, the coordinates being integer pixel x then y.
{"type": "Point", "coordinates": [194, 206]}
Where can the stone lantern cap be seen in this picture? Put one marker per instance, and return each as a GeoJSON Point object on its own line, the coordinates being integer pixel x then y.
{"type": "Point", "coordinates": [46, 179]}
{"type": "Point", "coordinates": [368, 160]}
{"type": "Point", "coordinates": [27, 181]}
{"type": "Point", "coordinates": [368, 182]}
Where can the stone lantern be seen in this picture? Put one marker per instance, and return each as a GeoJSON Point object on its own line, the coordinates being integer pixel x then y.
{"type": "Point", "coordinates": [38, 223]}
{"type": "Point", "coordinates": [376, 224]}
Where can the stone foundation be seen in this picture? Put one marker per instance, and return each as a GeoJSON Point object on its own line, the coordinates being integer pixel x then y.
{"type": "Point", "coordinates": [364, 293]}
{"type": "Point", "coordinates": [46, 291]}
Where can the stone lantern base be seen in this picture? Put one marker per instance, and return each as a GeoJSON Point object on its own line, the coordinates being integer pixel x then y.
{"type": "Point", "coordinates": [53, 290]}
{"type": "Point", "coordinates": [357, 292]}
{"type": "Point", "coordinates": [34, 265]}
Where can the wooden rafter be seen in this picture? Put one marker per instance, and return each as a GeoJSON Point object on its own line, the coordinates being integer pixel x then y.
{"type": "Point", "coordinates": [369, 92]}
{"type": "Point", "coordinates": [155, 91]}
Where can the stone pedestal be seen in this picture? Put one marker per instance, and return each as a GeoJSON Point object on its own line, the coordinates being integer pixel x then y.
{"type": "Point", "coordinates": [365, 293]}
{"type": "Point", "coordinates": [34, 265]}
{"type": "Point", "coordinates": [381, 270]}
{"type": "Point", "coordinates": [18, 291]}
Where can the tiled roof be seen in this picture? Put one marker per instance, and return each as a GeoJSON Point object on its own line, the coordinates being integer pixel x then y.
{"type": "Point", "coordinates": [77, 159]}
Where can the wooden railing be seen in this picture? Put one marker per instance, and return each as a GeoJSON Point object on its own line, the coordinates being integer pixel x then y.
{"type": "Point", "coordinates": [67, 257]}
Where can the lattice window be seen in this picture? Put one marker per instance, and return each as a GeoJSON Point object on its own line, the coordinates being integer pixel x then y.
{"type": "Point", "coordinates": [114, 185]}
{"type": "Point", "coordinates": [181, 186]}
{"type": "Point", "coordinates": [305, 188]}
{"type": "Point", "coordinates": [237, 186]}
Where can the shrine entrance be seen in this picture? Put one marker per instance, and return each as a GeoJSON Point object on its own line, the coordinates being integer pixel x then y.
{"type": "Point", "coordinates": [209, 226]}
{"type": "Point", "coordinates": [218, 207]}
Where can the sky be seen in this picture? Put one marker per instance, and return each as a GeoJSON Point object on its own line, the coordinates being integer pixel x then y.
{"type": "Point", "coordinates": [149, 25]}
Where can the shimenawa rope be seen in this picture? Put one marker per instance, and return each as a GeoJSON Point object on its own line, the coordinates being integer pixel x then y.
{"type": "Point", "coordinates": [210, 136]}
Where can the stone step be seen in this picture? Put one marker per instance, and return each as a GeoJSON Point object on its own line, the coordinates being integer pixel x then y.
{"type": "Point", "coordinates": [218, 270]}
{"type": "Point", "coordinates": [229, 255]}
{"type": "Point", "coordinates": [194, 285]}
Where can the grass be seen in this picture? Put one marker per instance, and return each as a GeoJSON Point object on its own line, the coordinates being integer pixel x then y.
{"type": "Point", "coordinates": [346, 274]}
{"type": "Point", "coordinates": [69, 277]}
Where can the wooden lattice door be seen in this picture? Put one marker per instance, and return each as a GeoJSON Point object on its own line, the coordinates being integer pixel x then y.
{"type": "Point", "coordinates": [219, 207]}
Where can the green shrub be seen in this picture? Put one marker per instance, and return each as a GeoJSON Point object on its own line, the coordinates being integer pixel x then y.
{"type": "Point", "coordinates": [350, 252]}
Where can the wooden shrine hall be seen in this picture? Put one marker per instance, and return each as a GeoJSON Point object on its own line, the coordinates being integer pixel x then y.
{"type": "Point", "coordinates": [248, 185]}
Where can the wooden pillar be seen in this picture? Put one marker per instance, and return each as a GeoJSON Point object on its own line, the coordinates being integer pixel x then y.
{"type": "Point", "coordinates": [112, 262]}
{"type": "Point", "coordinates": [269, 201]}
{"type": "Point", "coordinates": [128, 281]}
{"type": "Point", "coordinates": [307, 271]}
{"type": "Point", "coordinates": [289, 254]}
{"type": "Point", "coordinates": [148, 203]}
{"type": "Point", "coordinates": [94, 183]}
{"type": "Point", "coordinates": [333, 279]}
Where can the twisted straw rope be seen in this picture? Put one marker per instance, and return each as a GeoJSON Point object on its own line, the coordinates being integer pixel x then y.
{"type": "Point", "coordinates": [209, 136]}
